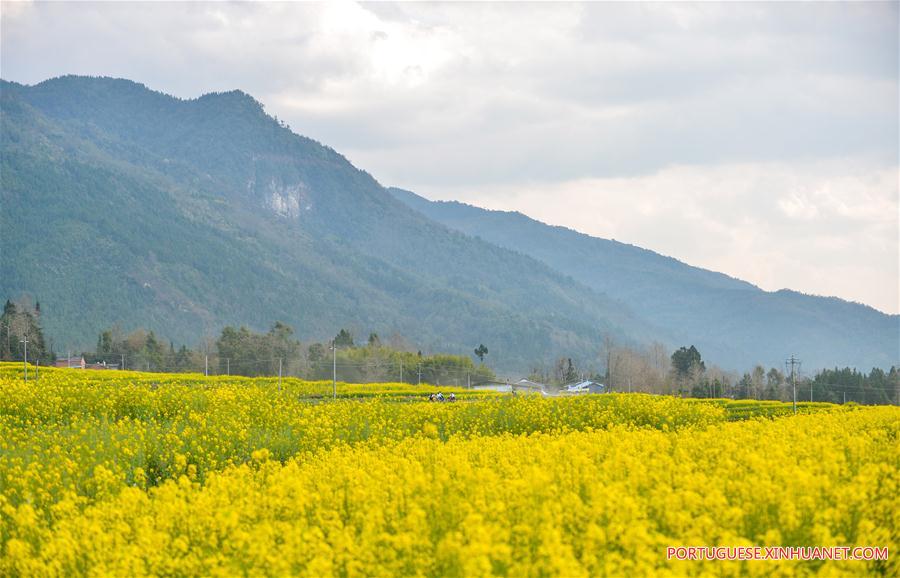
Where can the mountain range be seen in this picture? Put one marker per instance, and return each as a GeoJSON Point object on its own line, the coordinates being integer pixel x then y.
{"type": "Point", "coordinates": [731, 321]}
{"type": "Point", "coordinates": [123, 205]}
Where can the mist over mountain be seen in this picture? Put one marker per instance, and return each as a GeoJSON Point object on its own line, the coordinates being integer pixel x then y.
{"type": "Point", "coordinates": [732, 322]}
{"type": "Point", "coordinates": [126, 206]}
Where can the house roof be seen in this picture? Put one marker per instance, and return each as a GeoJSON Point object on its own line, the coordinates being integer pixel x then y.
{"type": "Point", "coordinates": [584, 385]}
{"type": "Point", "coordinates": [529, 383]}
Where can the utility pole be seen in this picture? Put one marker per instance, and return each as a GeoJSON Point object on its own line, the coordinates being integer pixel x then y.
{"type": "Point", "coordinates": [279, 374]}
{"type": "Point", "coordinates": [206, 365]}
{"type": "Point", "coordinates": [123, 362]}
{"type": "Point", "coordinates": [227, 366]}
{"type": "Point", "coordinates": [468, 381]}
{"type": "Point", "coordinates": [419, 368]}
{"type": "Point", "coordinates": [794, 361]}
{"type": "Point", "coordinates": [333, 369]}
{"type": "Point", "coordinates": [401, 370]}
{"type": "Point", "coordinates": [25, 359]}
{"type": "Point", "coordinates": [845, 398]}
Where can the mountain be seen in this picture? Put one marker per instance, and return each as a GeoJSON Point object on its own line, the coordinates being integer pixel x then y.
{"type": "Point", "coordinates": [122, 205]}
{"type": "Point", "coordinates": [732, 322]}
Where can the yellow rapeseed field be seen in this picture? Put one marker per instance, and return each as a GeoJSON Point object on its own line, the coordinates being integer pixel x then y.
{"type": "Point", "coordinates": [129, 474]}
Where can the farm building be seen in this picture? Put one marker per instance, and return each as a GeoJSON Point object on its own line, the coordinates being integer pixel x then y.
{"type": "Point", "coordinates": [587, 386]}
{"type": "Point", "coordinates": [76, 361]}
{"type": "Point", "coordinates": [522, 386]}
{"type": "Point", "coordinates": [528, 386]}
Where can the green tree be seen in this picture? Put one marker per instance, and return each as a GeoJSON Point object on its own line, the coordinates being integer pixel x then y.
{"type": "Point", "coordinates": [774, 383]}
{"type": "Point", "coordinates": [480, 352]}
{"type": "Point", "coordinates": [315, 354]}
{"type": "Point", "coordinates": [343, 339]}
{"type": "Point", "coordinates": [154, 353]}
{"type": "Point", "coordinates": [238, 350]}
{"type": "Point", "coordinates": [687, 360]}
{"type": "Point", "coordinates": [6, 321]}
{"type": "Point", "coordinates": [18, 323]}
{"type": "Point", "coordinates": [565, 371]}
{"type": "Point", "coordinates": [688, 368]}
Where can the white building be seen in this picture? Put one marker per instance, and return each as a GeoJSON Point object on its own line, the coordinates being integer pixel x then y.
{"type": "Point", "coordinates": [587, 386]}
{"type": "Point", "coordinates": [522, 386]}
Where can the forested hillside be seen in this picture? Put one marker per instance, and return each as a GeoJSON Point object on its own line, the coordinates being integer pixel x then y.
{"type": "Point", "coordinates": [126, 206]}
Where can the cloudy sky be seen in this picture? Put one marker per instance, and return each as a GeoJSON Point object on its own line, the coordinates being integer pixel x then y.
{"type": "Point", "coordinates": [757, 139]}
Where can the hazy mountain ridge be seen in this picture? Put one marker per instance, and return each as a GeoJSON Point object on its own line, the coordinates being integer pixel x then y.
{"type": "Point", "coordinates": [733, 322]}
{"type": "Point", "coordinates": [137, 208]}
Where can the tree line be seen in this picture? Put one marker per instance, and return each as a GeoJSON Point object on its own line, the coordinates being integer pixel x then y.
{"type": "Point", "coordinates": [241, 351]}
{"type": "Point", "coordinates": [684, 373]}
{"type": "Point", "coordinates": [623, 368]}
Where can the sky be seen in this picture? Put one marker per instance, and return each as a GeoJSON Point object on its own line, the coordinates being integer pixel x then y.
{"type": "Point", "coordinates": [757, 139]}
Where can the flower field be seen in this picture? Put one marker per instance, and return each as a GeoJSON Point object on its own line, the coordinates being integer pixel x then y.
{"type": "Point", "coordinates": [129, 474]}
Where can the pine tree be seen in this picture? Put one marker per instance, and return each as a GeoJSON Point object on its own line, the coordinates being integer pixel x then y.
{"type": "Point", "coordinates": [343, 339]}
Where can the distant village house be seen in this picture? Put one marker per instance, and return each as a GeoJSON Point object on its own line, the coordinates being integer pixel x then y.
{"type": "Point", "coordinates": [77, 362]}
{"type": "Point", "coordinates": [583, 387]}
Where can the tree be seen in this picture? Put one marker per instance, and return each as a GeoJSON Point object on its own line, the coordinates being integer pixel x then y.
{"type": "Point", "coordinates": [280, 342]}
{"type": "Point", "coordinates": [238, 351]}
{"type": "Point", "coordinates": [315, 354]}
{"type": "Point", "coordinates": [181, 361]}
{"type": "Point", "coordinates": [154, 352]}
{"type": "Point", "coordinates": [612, 360]}
{"type": "Point", "coordinates": [774, 383]}
{"type": "Point", "coordinates": [6, 321]}
{"type": "Point", "coordinates": [111, 343]}
{"type": "Point", "coordinates": [343, 339]}
{"type": "Point", "coordinates": [745, 387]}
{"type": "Point", "coordinates": [374, 340]}
{"type": "Point", "coordinates": [688, 367]}
{"type": "Point", "coordinates": [685, 360]}
{"type": "Point", "coordinates": [243, 352]}
{"type": "Point", "coordinates": [480, 352]}
{"type": "Point", "coordinates": [564, 372]}
{"type": "Point", "coordinates": [758, 380]}
{"type": "Point", "coordinates": [20, 322]}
